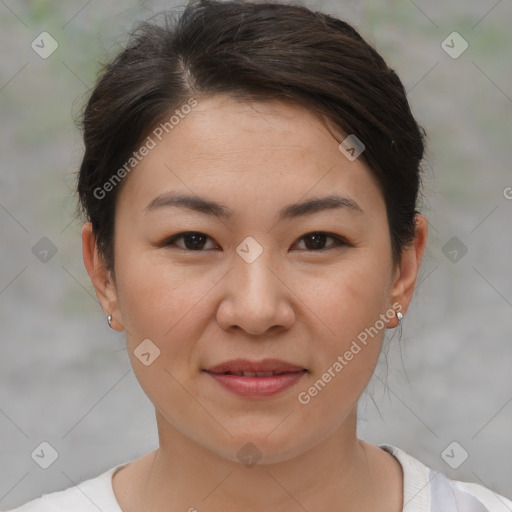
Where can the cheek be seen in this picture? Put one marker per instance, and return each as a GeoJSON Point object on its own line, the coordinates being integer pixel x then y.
{"type": "Point", "coordinates": [350, 306]}
{"type": "Point", "coordinates": [351, 297]}
{"type": "Point", "coordinates": [161, 303]}
{"type": "Point", "coordinates": [156, 298]}
{"type": "Point", "coordinates": [350, 302]}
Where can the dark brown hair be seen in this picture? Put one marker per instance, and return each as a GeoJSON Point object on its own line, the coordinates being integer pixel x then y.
{"type": "Point", "coordinates": [258, 51]}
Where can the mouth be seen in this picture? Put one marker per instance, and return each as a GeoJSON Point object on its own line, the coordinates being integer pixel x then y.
{"type": "Point", "coordinates": [253, 374]}
{"type": "Point", "coordinates": [256, 378]}
{"type": "Point", "coordinates": [265, 368]}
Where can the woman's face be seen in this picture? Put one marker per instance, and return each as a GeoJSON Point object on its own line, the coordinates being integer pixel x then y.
{"type": "Point", "coordinates": [252, 284]}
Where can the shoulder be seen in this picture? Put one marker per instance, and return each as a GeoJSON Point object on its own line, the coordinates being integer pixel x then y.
{"type": "Point", "coordinates": [88, 496]}
{"type": "Point", "coordinates": [426, 490]}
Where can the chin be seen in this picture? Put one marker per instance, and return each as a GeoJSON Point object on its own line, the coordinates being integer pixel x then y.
{"type": "Point", "coordinates": [259, 447]}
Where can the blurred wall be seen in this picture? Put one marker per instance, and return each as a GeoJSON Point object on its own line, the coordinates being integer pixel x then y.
{"type": "Point", "coordinates": [66, 377]}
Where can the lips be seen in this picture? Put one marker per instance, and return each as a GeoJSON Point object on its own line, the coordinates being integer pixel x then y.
{"type": "Point", "coordinates": [256, 379]}
{"type": "Point", "coordinates": [246, 368]}
{"type": "Point", "coordinates": [254, 374]}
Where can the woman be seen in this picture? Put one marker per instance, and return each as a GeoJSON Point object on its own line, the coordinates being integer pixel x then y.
{"type": "Point", "coordinates": [249, 185]}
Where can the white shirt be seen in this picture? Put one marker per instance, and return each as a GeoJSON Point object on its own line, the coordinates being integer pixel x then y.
{"type": "Point", "coordinates": [425, 490]}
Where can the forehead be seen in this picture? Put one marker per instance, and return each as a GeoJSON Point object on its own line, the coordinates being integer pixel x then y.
{"type": "Point", "coordinates": [221, 123]}
{"type": "Point", "coordinates": [229, 149]}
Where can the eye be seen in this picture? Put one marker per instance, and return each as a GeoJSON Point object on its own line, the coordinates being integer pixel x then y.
{"type": "Point", "coordinates": [317, 240]}
{"type": "Point", "coordinates": [195, 241]}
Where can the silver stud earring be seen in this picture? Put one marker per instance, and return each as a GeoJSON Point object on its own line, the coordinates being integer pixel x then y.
{"type": "Point", "coordinates": [109, 320]}
{"type": "Point", "coordinates": [399, 316]}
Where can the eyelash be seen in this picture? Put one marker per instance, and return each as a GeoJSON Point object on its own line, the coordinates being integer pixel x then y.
{"type": "Point", "coordinates": [339, 241]}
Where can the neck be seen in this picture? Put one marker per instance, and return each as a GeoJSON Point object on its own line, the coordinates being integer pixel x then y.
{"type": "Point", "coordinates": [340, 472]}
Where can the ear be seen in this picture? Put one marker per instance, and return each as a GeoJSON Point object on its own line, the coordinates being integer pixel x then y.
{"type": "Point", "coordinates": [407, 272]}
{"type": "Point", "coordinates": [101, 277]}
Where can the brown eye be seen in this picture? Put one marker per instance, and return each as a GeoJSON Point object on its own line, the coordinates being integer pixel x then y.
{"type": "Point", "coordinates": [196, 242]}
{"type": "Point", "coordinates": [192, 241]}
{"type": "Point", "coordinates": [316, 241]}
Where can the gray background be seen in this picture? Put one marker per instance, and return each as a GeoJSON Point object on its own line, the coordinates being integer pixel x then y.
{"type": "Point", "coordinates": [66, 377]}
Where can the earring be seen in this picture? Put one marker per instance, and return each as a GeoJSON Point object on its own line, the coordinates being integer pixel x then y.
{"type": "Point", "coordinates": [109, 320]}
{"type": "Point", "coordinates": [399, 316]}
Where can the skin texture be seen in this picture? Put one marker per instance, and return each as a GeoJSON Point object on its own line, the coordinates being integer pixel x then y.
{"type": "Point", "coordinates": [294, 302]}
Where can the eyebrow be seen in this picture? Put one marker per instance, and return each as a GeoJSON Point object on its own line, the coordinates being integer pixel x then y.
{"type": "Point", "coordinates": [214, 209]}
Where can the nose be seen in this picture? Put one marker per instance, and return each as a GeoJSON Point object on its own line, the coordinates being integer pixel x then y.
{"type": "Point", "coordinates": [256, 297]}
